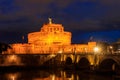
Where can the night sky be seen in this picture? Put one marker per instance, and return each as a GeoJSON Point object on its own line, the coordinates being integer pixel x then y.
{"type": "Point", "coordinates": [86, 19]}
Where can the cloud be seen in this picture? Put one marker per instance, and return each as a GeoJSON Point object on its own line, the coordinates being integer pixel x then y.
{"type": "Point", "coordinates": [29, 13]}
{"type": "Point", "coordinates": [89, 25]}
{"type": "Point", "coordinates": [30, 7]}
{"type": "Point", "coordinates": [18, 8]}
{"type": "Point", "coordinates": [14, 11]}
{"type": "Point", "coordinates": [110, 2]}
{"type": "Point", "coordinates": [23, 16]}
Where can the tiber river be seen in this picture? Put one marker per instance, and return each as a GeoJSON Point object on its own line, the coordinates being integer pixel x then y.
{"type": "Point", "coordinates": [54, 75]}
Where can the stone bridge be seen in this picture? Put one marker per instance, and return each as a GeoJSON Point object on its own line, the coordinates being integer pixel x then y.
{"type": "Point", "coordinates": [102, 62]}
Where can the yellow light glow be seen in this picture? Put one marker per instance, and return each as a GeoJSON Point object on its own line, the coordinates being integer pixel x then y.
{"type": "Point", "coordinates": [13, 58]}
{"type": "Point", "coordinates": [96, 49]}
{"type": "Point", "coordinates": [53, 77]}
{"type": "Point", "coordinates": [12, 76]}
{"type": "Point", "coordinates": [60, 51]}
{"type": "Point", "coordinates": [52, 55]}
{"type": "Point", "coordinates": [111, 47]}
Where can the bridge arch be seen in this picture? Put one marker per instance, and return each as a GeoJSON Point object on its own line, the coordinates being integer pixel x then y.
{"type": "Point", "coordinates": [68, 57]}
{"type": "Point", "coordinates": [109, 65]}
{"type": "Point", "coordinates": [68, 61]}
{"type": "Point", "coordinates": [83, 63]}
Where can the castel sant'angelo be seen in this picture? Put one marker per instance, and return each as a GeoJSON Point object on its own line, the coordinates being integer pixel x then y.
{"type": "Point", "coordinates": [50, 39]}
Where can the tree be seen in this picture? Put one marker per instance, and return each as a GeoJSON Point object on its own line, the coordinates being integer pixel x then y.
{"type": "Point", "coordinates": [4, 47]}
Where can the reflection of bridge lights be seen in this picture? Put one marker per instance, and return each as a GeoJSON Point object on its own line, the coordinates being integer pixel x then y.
{"type": "Point", "coordinates": [78, 77]}
{"type": "Point", "coordinates": [12, 76]}
{"type": "Point", "coordinates": [53, 77]}
{"type": "Point", "coordinates": [69, 78]}
{"type": "Point", "coordinates": [64, 74]}
{"type": "Point", "coordinates": [72, 77]}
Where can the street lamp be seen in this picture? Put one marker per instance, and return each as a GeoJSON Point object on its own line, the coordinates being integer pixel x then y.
{"type": "Point", "coordinates": [74, 52]}
{"type": "Point", "coordinates": [111, 49]}
{"type": "Point", "coordinates": [60, 52]}
{"type": "Point", "coordinates": [96, 50]}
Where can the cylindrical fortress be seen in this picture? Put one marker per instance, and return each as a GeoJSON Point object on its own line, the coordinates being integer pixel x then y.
{"type": "Point", "coordinates": [50, 34]}
{"type": "Point", "coordinates": [51, 39]}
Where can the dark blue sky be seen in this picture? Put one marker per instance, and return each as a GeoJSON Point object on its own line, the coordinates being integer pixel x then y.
{"type": "Point", "coordinates": [84, 18]}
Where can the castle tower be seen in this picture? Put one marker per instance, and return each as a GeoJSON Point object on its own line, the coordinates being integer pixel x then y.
{"type": "Point", "coordinates": [50, 34]}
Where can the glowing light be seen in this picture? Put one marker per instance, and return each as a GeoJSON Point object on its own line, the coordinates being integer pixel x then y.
{"type": "Point", "coordinates": [12, 76]}
{"type": "Point", "coordinates": [12, 58]}
{"type": "Point", "coordinates": [111, 47]}
{"type": "Point", "coordinates": [78, 77]}
{"type": "Point", "coordinates": [52, 55]}
{"type": "Point", "coordinates": [60, 51]}
{"type": "Point", "coordinates": [53, 77]}
{"type": "Point", "coordinates": [96, 49]}
{"type": "Point", "coordinates": [69, 78]}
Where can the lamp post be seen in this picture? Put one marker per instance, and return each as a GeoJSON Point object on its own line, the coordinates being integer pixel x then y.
{"type": "Point", "coordinates": [96, 50]}
{"type": "Point", "coordinates": [74, 52]}
{"type": "Point", "coordinates": [111, 49]}
{"type": "Point", "coordinates": [61, 52]}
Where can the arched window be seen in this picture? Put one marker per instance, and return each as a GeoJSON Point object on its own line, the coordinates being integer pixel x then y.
{"type": "Point", "coordinates": [54, 29]}
{"type": "Point", "coordinates": [61, 30]}
{"type": "Point", "coordinates": [57, 29]}
{"type": "Point", "coordinates": [50, 29]}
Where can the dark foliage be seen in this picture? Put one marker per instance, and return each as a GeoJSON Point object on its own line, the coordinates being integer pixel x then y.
{"type": "Point", "coordinates": [4, 47]}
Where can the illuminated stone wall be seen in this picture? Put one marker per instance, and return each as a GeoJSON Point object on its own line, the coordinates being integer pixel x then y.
{"type": "Point", "coordinates": [22, 48]}
{"type": "Point", "coordinates": [53, 49]}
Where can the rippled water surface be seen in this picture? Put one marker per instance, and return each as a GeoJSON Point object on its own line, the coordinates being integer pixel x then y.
{"type": "Point", "coordinates": [54, 75]}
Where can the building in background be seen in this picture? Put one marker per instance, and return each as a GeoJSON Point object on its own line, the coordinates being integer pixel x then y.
{"type": "Point", "coordinates": [114, 48]}
{"type": "Point", "coordinates": [50, 39]}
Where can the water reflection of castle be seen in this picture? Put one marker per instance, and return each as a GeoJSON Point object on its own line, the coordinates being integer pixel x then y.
{"type": "Point", "coordinates": [51, 39]}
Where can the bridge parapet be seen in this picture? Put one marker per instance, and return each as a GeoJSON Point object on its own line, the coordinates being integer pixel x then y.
{"type": "Point", "coordinates": [24, 60]}
{"type": "Point", "coordinates": [100, 60]}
